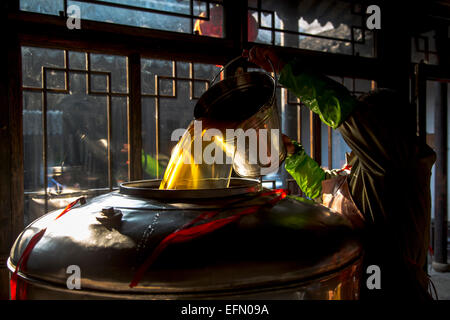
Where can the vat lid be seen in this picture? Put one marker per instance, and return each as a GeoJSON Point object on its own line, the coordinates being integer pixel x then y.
{"type": "Point", "coordinates": [150, 189]}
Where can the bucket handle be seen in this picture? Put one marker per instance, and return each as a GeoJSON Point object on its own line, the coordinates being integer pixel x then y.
{"type": "Point", "coordinates": [275, 78]}
{"type": "Point", "coordinates": [223, 68]}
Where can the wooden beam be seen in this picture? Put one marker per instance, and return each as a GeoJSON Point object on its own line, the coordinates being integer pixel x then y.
{"type": "Point", "coordinates": [420, 100]}
{"type": "Point", "coordinates": [11, 152]}
{"type": "Point", "coordinates": [333, 64]}
{"type": "Point", "coordinates": [440, 262]}
{"type": "Point", "coordinates": [51, 31]}
{"type": "Point", "coordinates": [134, 118]}
{"type": "Point", "coordinates": [393, 49]}
{"type": "Point", "coordinates": [235, 23]}
{"type": "Point", "coordinates": [315, 137]}
{"type": "Point", "coordinates": [441, 181]}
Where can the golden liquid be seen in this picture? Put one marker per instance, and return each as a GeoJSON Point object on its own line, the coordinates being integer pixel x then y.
{"type": "Point", "coordinates": [184, 170]}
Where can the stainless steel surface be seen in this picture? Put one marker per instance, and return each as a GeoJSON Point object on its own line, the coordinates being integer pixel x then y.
{"type": "Point", "coordinates": [290, 250]}
{"type": "Point", "coordinates": [340, 285]}
{"type": "Point", "coordinates": [248, 98]}
{"type": "Point", "coordinates": [242, 57]}
{"type": "Point", "coordinates": [150, 189]}
{"type": "Point", "coordinates": [266, 118]}
{"type": "Point", "coordinates": [235, 98]}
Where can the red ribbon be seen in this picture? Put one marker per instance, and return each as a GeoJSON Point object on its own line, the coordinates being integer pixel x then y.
{"type": "Point", "coordinates": [22, 262]}
{"type": "Point", "coordinates": [187, 232]}
{"type": "Point", "coordinates": [347, 167]}
{"type": "Point", "coordinates": [19, 292]}
{"type": "Point", "coordinates": [70, 205]}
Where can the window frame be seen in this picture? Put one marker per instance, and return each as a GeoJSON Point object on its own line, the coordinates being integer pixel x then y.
{"type": "Point", "coordinates": [34, 29]}
{"type": "Point", "coordinates": [47, 31]}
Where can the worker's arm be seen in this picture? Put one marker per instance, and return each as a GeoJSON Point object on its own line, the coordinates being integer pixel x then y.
{"type": "Point", "coordinates": [376, 127]}
{"type": "Point", "coordinates": [306, 172]}
{"type": "Point", "coordinates": [324, 96]}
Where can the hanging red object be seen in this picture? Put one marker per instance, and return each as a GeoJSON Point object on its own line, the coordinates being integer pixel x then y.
{"type": "Point", "coordinates": [214, 26]}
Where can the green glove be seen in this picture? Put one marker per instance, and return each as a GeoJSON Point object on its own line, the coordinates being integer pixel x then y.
{"type": "Point", "coordinates": [306, 172]}
{"type": "Point", "coordinates": [322, 95]}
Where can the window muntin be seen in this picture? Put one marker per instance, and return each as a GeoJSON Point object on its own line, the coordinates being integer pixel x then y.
{"type": "Point", "coordinates": [74, 126]}
{"type": "Point", "coordinates": [78, 88]}
{"type": "Point", "coordinates": [170, 90]}
{"type": "Point", "coordinates": [423, 48]}
{"type": "Point", "coordinates": [334, 26]}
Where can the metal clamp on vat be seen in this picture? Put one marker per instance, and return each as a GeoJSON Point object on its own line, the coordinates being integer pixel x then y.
{"type": "Point", "coordinates": [110, 217]}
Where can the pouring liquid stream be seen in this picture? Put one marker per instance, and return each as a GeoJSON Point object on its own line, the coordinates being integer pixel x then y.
{"type": "Point", "coordinates": [202, 159]}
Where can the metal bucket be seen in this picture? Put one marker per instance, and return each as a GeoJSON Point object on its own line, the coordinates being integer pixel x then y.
{"type": "Point", "coordinates": [250, 99]}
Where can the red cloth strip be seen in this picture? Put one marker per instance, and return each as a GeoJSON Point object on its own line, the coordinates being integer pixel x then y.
{"type": "Point", "coordinates": [26, 254]}
{"type": "Point", "coordinates": [211, 214]}
{"type": "Point", "coordinates": [70, 205]}
{"type": "Point", "coordinates": [22, 262]}
{"type": "Point", "coordinates": [347, 167]}
{"type": "Point", "coordinates": [187, 233]}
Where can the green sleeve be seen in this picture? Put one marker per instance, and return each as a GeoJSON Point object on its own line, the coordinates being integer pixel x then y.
{"type": "Point", "coordinates": [324, 96]}
{"type": "Point", "coordinates": [306, 172]}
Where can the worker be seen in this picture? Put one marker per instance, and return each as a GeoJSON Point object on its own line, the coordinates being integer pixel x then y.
{"type": "Point", "coordinates": [384, 189]}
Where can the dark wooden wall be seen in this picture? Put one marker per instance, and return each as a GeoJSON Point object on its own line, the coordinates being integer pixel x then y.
{"type": "Point", "coordinates": [11, 148]}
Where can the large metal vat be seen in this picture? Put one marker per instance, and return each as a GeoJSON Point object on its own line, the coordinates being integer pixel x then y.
{"type": "Point", "coordinates": [289, 250]}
